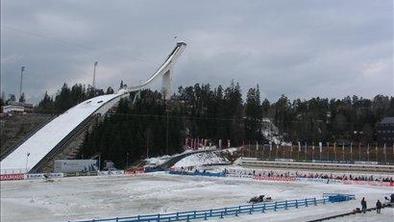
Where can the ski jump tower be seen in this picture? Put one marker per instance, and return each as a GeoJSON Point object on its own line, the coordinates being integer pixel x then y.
{"type": "Point", "coordinates": [51, 139]}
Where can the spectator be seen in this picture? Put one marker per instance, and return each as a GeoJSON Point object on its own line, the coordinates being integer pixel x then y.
{"type": "Point", "coordinates": [363, 205]}
{"type": "Point", "coordinates": [392, 198]}
{"type": "Point", "coordinates": [378, 206]}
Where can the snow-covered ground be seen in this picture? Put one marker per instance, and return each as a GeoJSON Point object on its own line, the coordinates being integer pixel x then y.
{"type": "Point", "coordinates": [311, 213]}
{"type": "Point", "coordinates": [155, 161]}
{"type": "Point", "coordinates": [387, 214]}
{"type": "Point", "coordinates": [101, 197]}
{"type": "Point", "coordinates": [201, 159]}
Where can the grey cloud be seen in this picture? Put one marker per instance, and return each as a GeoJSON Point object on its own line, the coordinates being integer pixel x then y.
{"type": "Point", "coordinates": [301, 49]}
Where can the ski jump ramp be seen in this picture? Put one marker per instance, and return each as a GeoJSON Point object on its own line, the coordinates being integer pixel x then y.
{"type": "Point", "coordinates": [38, 146]}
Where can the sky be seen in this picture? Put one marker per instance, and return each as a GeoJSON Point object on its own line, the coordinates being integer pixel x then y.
{"type": "Point", "coordinates": [301, 49]}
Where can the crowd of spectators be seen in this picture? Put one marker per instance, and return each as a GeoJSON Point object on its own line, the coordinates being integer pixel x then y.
{"type": "Point", "coordinates": [300, 174]}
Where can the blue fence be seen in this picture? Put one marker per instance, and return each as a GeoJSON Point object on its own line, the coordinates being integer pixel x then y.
{"type": "Point", "coordinates": [231, 211]}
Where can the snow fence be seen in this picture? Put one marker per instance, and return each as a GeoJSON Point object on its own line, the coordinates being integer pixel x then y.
{"type": "Point", "coordinates": [232, 211]}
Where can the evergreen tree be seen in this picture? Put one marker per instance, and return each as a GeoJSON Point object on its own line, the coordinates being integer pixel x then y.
{"type": "Point", "coordinates": [253, 115]}
{"type": "Point", "coordinates": [22, 98]}
{"type": "Point", "coordinates": [109, 91]}
{"type": "Point", "coordinates": [11, 98]}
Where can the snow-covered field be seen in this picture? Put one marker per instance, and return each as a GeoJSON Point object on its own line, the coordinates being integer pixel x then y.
{"type": "Point", "coordinates": [101, 197]}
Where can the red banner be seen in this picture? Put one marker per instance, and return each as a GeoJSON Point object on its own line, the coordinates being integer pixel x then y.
{"type": "Point", "coordinates": [14, 176]}
{"type": "Point", "coordinates": [135, 171]}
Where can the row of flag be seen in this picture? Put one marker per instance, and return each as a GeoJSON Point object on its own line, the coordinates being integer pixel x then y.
{"type": "Point", "coordinates": [320, 145]}
{"type": "Point", "coordinates": [195, 143]}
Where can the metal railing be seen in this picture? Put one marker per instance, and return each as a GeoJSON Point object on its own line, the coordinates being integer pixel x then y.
{"type": "Point", "coordinates": [230, 211]}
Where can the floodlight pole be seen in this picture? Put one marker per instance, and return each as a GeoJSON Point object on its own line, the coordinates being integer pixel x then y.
{"type": "Point", "coordinates": [94, 75]}
{"type": "Point", "coordinates": [21, 82]}
{"type": "Point", "coordinates": [27, 160]}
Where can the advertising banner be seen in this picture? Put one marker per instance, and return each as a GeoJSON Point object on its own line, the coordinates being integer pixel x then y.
{"type": "Point", "coordinates": [14, 176]}
{"type": "Point", "coordinates": [110, 173]}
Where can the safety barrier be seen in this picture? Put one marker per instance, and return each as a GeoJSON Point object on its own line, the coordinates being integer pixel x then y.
{"type": "Point", "coordinates": [12, 176]}
{"type": "Point", "coordinates": [34, 176]}
{"type": "Point", "coordinates": [135, 171]}
{"type": "Point", "coordinates": [197, 173]}
{"type": "Point", "coordinates": [110, 173]}
{"type": "Point", "coordinates": [231, 211]}
{"type": "Point", "coordinates": [275, 178]}
{"type": "Point", "coordinates": [30, 176]}
{"type": "Point", "coordinates": [370, 183]}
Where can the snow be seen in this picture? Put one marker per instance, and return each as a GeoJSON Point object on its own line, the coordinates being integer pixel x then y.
{"type": "Point", "coordinates": [201, 159]}
{"type": "Point", "coordinates": [315, 212]}
{"type": "Point", "coordinates": [155, 161]}
{"type": "Point", "coordinates": [43, 141]}
{"type": "Point", "coordinates": [231, 150]}
{"type": "Point", "coordinates": [271, 132]}
{"type": "Point", "coordinates": [77, 198]}
{"type": "Point", "coordinates": [370, 216]}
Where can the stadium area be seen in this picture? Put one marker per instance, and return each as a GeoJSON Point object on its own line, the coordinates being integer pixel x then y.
{"type": "Point", "coordinates": [97, 197]}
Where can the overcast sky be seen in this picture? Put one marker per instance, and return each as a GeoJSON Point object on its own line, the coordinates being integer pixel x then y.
{"type": "Point", "coordinates": [297, 48]}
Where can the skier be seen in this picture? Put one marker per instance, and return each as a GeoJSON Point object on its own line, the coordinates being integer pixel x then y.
{"type": "Point", "coordinates": [363, 205]}
{"type": "Point", "coordinates": [378, 206]}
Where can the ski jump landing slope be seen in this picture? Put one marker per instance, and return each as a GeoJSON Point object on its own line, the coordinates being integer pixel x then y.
{"type": "Point", "coordinates": [39, 145]}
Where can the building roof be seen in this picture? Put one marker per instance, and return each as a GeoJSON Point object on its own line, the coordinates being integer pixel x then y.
{"type": "Point", "coordinates": [386, 120]}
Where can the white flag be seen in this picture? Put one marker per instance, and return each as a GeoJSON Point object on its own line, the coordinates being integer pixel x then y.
{"type": "Point", "coordinates": [351, 148]}
{"type": "Point", "coordinates": [320, 146]}
{"type": "Point", "coordinates": [299, 147]}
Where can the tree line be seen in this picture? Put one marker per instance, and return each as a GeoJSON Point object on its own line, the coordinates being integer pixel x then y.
{"type": "Point", "coordinates": [146, 125]}
{"type": "Point", "coordinates": [68, 97]}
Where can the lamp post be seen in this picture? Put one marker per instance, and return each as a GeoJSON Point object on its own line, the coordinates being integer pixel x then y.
{"type": "Point", "coordinates": [94, 75]}
{"type": "Point", "coordinates": [27, 160]}
{"type": "Point", "coordinates": [21, 82]}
